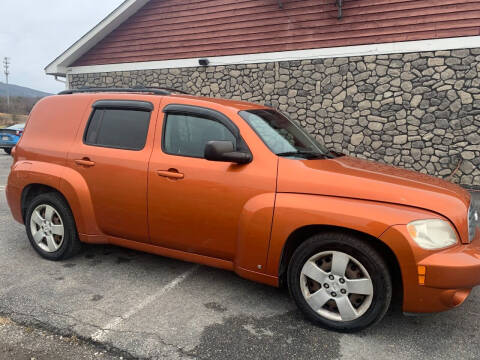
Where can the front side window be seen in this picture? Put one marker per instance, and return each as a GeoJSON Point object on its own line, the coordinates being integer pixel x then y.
{"type": "Point", "coordinates": [118, 128]}
{"type": "Point", "coordinates": [187, 135]}
{"type": "Point", "coordinates": [281, 135]}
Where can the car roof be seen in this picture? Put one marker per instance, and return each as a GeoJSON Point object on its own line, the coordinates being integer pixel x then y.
{"type": "Point", "coordinates": [237, 105]}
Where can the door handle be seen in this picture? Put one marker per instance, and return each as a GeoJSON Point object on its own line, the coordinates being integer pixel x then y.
{"type": "Point", "coordinates": [171, 174]}
{"type": "Point", "coordinates": [85, 162]}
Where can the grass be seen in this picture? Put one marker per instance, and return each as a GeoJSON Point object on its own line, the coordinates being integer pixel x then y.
{"type": "Point", "coordinates": [11, 119]}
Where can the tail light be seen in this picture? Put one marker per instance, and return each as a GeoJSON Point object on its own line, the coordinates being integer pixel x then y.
{"type": "Point", "coordinates": [19, 132]}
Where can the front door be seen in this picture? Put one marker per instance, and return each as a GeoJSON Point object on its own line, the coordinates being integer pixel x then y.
{"type": "Point", "coordinates": [111, 154]}
{"type": "Point", "coordinates": [205, 207]}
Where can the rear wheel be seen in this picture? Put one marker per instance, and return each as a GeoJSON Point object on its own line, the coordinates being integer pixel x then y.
{"type": "Point", "coordinates": [51, 227]}
{"type": "Point", "coordinates": [340, 282]}
{"type": "Point", "coordinates": [7, 150]}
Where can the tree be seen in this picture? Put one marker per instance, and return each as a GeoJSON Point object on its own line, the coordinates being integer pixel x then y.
{"type": "Point", "coordinates": [18, 105]}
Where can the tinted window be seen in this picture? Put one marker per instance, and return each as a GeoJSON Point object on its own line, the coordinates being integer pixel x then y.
{"type": "Point", "coordinates": [122, 129]}
{"type": "Point", "coordinates": [187, 135]}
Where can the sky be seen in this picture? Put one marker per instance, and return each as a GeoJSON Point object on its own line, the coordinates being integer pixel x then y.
{"type": "Point", "coordinates": [33, 33]}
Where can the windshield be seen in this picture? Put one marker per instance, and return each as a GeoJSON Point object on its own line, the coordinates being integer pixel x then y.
{"type": "Point", "coordinates": [283, 136]}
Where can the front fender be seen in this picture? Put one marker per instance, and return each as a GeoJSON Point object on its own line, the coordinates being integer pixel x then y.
{"type": "Point", "coordinates": [295, 211]}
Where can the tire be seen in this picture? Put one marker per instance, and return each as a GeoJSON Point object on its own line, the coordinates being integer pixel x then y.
{"type": "Point", "coordinates": [48, 227]}
{"type": "Point", "coordinates": [7, 150]}
{"type": "Point", "coordinates": [363, 292]}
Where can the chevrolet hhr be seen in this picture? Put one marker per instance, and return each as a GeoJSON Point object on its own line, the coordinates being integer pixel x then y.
{"type": "Point", "coordinates": [240, 187]}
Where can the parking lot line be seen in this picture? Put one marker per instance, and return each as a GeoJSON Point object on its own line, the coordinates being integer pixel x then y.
{"type": "Point", "coordinates": [2, 188]}
{"type": "Point", "coordinates": [114, 323]}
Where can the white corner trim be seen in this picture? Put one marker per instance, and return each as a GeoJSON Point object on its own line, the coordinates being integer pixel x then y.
{"type": "Point", "coordinates": [99, 32]}
{"type": "Point", "coordinates": [345, 51]}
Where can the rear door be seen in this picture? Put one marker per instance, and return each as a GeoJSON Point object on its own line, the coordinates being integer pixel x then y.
{"type": "Point", "coordinates": [111, 154]}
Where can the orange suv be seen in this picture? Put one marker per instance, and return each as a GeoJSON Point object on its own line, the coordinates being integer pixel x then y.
{"type": "Point", "coordinates": [240, 187]}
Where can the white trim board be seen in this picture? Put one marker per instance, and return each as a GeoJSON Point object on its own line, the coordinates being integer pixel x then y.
{"type": "Point", "coordinates": [89, 40]}
{"type": "Point", "coordinates": [345, 51]}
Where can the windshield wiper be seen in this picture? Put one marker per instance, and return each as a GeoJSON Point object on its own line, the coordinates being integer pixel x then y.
{"type": "Point", "coordinates": [306, 154]}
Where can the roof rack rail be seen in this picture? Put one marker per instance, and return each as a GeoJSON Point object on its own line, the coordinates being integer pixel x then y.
{"type": "Point", "coordinates": [172, 90]}
{"type": "Point", "coordinates": [178, 91]}
{"type": "Point", "coordinates": [163, 91]}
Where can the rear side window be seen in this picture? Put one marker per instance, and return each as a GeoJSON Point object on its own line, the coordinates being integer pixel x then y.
{"type": "Point", "coordinates": [118, 128]}
{"type": "Point", "coordinates": [187, 135]}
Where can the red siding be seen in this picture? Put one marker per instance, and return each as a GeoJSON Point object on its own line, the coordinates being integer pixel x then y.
{"type": "Point", "coordinates": [176, 29]}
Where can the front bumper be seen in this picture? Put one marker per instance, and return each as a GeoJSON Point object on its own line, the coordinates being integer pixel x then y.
{"type": "Point", "coordinates": [434, 281]}
{"type": "Point", "coordinates": [457, 267]}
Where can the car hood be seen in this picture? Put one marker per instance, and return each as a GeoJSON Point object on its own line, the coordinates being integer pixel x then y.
{"type": "Point", "coordinates": [354, 178]}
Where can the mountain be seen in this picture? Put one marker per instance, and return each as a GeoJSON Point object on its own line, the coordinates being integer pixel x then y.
{"type": "Point", "coordinates": [21, 91]}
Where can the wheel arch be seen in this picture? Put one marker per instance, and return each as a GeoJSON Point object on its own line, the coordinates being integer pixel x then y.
{"type": "Point", "coordinates": [301, 234]}
{"type": "Point", "coordinates": [30, 191]}
{"type": "Point", "coordinates": [65, 181]}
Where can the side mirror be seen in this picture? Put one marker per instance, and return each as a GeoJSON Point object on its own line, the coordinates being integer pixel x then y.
{"type": "Point", "coordinates": [225, 151]}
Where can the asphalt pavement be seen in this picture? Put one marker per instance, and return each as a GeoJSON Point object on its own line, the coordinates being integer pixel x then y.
{"type": "Point", "coordinates": [122, 303]}
{"type": "Point", "coordinates": [27, 343]}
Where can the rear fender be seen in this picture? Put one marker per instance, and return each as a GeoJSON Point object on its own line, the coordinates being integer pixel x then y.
{"type": "Point", "coordinates": [65, 180]}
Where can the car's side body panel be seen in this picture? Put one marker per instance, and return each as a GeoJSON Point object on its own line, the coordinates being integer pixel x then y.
{"type": "Point", "coordinates": [51, 129]}
{"type": "Point", "coordinates": [41, 153]}
{"type": "Point", "coordinates": [254, 230]}
{"type": "Point", "coordinates": [228, 207]}
{"type": "Point", "coordinates": [117, 182]}
{"type": "Point", "coordinates": [66, 181]}
{"type": "Point", "coordinates": [78, 194]}
{"type": "Point", "coordinates": [295, 211]}
{"type": "Point", "coordinates": [360, 179]}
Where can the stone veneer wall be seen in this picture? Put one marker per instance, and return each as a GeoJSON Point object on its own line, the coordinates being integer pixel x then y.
{"type": "Point", "coordinates": [420, 111]}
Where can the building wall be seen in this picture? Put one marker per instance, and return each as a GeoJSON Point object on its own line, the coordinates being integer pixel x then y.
{"type": "Point", "coordinates": [179, 29]}
{"type": "Point", "coordinates": [420, 111]}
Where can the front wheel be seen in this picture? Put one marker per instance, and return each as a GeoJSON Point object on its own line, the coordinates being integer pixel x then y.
{"type": "Point", "coordinates": [51, 227]}
{"type": "Point", "coordinates": [340, 282]}
{"type": "Point", "coordinates": [8, 150]}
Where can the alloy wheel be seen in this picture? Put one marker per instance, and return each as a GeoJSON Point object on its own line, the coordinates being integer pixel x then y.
{"type": "Point", "coordinates": [336, 286]}
{"type": "Point", "coordinates": [47, 228]}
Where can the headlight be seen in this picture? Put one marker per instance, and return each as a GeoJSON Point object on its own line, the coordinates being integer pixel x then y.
{"type": "Point", "coordinates": [432, 234]}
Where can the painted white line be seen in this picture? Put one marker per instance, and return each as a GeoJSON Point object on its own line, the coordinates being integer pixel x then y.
{"type": "Point", "coordinates": [114, 323]}
{"type": "Point", "coordinates": [2, 188]}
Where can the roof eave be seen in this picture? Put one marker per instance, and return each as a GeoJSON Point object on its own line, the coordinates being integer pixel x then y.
{"type": "Point", "coordinates": [60, 65]}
